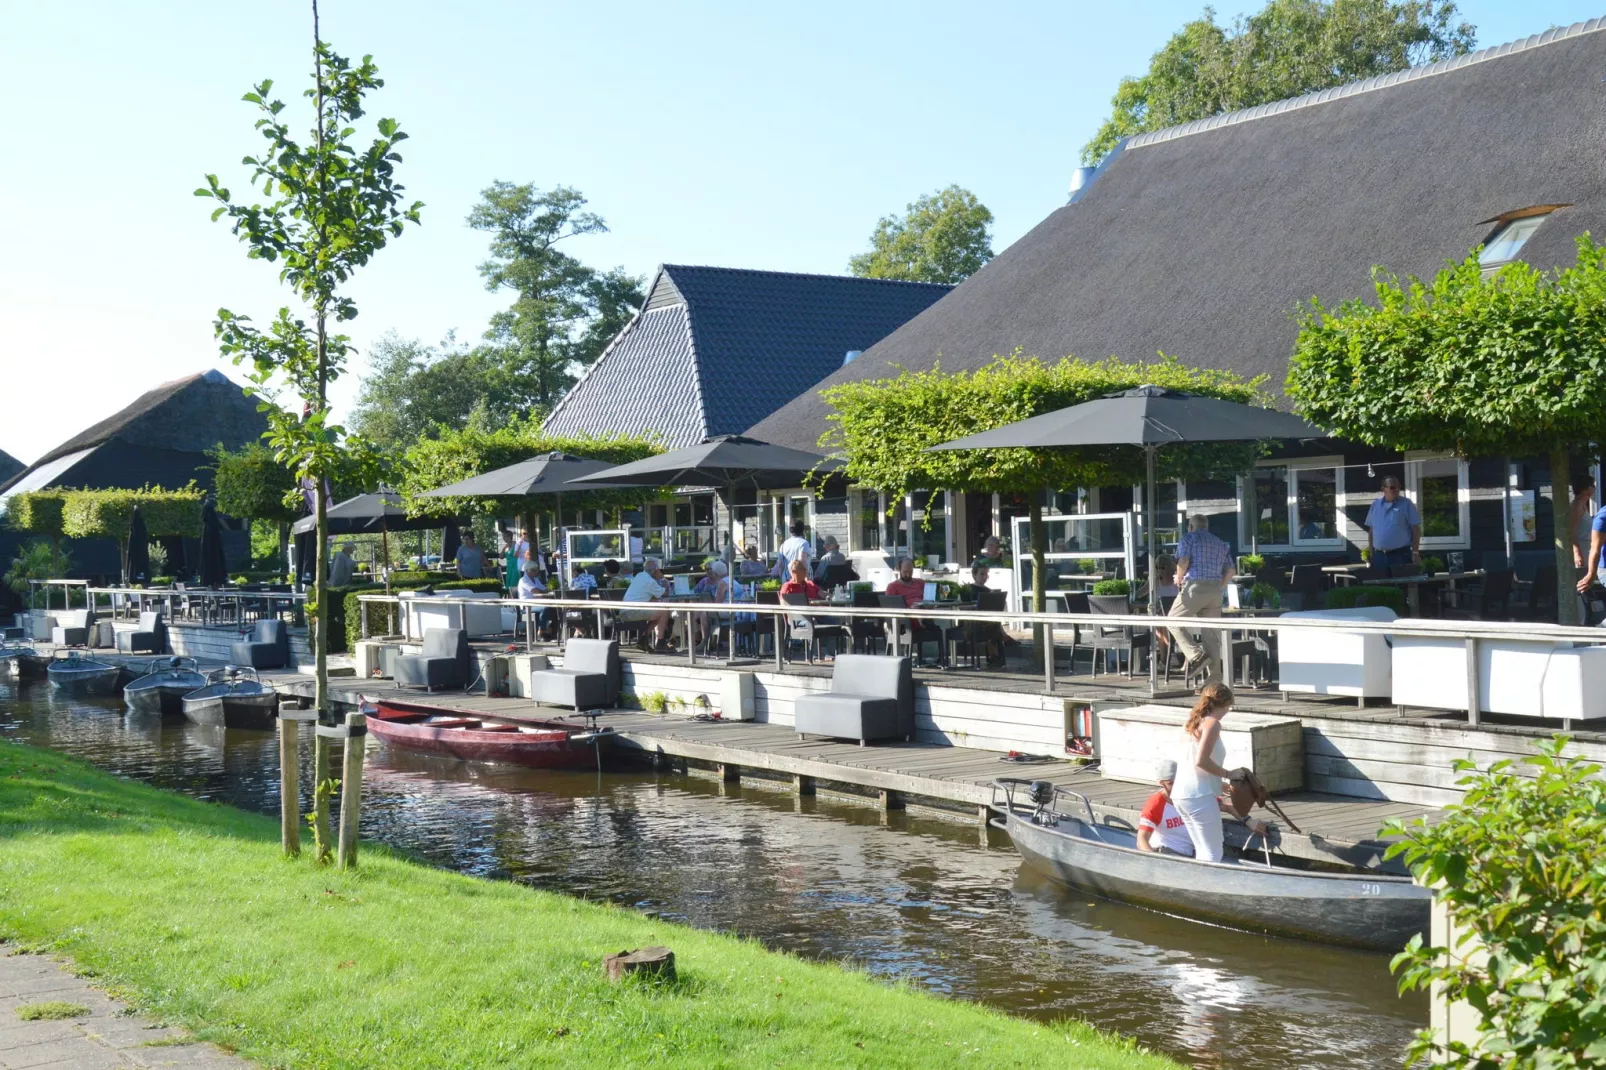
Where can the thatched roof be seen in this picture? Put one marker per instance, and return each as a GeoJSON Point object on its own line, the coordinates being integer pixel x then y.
{"type": "Point", "coordinates": [1202, 240]}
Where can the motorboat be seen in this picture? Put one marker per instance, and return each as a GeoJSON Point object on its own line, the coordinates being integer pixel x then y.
{"type": "Point", "coordinates": [478, 738]}
{"type": "Point", "coordinates": [19, 661]}
{"type": "Point", "coordinates": [1275, 895]}
{"type": "Point", "coordinates": [78, 675]}
{"type": "Point", "coordinates": [163, 687]}
{"type": "Point", "coordinates": [233, 697]}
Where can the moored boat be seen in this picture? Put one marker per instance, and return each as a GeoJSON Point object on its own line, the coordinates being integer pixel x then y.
{"type": "Point", "coordinates": [1374, 911]}
{"type": "Point", "coordinates": [19, 661]}
{"type": "Point", "coordinates": [78, 675]}
{"type": "Point", "coordinates": [162, 689]}
{"type": "Point", "coordinates": [475, 738]}
{"type": "Point", "coordinates": [234, 697]}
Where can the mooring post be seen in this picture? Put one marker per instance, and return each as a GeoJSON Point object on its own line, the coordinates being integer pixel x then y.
{"type": "Point", "coordinates": [891, 800]}
{"type": "Point", "coordinates": [290, 781]}
{"type": "Point", "coordinates": [320, 797]}
{"type": "Point", "coordinates": [803, 785]}
{"type": "Point", "coordinates": [729, 774]}
{"type": "Point", "coordinates": [351, 787]}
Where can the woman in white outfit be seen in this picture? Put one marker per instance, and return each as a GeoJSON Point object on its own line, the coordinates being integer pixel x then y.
{"type": "Point", "coordinates": [1201, 776]}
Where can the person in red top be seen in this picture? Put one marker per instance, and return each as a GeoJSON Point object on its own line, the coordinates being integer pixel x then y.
{"type": "Point", "coordinates": [800, 582]}
{"type": "Point", "coordinates": [906, 586]}
{"type": "Point", "coordinates": [1160, 827]}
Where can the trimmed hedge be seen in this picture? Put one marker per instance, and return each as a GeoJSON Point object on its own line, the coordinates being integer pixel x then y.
{"type": "Point", "coordinates": [100, 514]}
{"type": "Point", "coordinates": [345, 625]}
{"type": "Point", "coordinates": [38, 511]}
{"type": "Point", "coordinates": [1350, 597]}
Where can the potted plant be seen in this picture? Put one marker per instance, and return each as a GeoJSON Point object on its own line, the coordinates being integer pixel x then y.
{"type": "Point", "coordinates": [1122, 587]}
{"type": "Point", "coordinates": [1264, 595]}
{"type": "Point", "coordinates": [1432, 565]}
{"type": "Point", "coordinates": [1252, 564]}
{"type": "Point", "coordinates": [1087, 566]}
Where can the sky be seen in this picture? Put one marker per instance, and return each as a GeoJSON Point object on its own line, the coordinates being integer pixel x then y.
{"type": "Point", "coordinates": [742, 135]}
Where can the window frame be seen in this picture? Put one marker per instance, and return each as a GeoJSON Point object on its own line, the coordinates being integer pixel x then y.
{"type": "Point", "coordinates": [1414, 460]}
{"type": "Point", "coordinates": [1295, 544]}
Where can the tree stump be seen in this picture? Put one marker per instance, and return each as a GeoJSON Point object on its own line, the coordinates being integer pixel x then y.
{"type": "Point", "coordinates": [655, 961]}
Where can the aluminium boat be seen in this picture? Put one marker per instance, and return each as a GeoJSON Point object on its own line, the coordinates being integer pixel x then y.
{"type": "Point", "coordinates": [19, 661]}
{"type": "Point", "coordinates": [78, 675]}
{"type": "Point", "coordinates": [233, 697]}
{"type": "Point", "coordinates": [163, 687]}
{"type": "Point", "coordinates": [1365, 910]}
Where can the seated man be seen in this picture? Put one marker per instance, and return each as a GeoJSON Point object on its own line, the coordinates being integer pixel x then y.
{"type": "Point", "coordinates": [751, 566]}
{"type": "Point", "coordinates": [648, 586]}
{"type": "Point", "coordinates": [991, 633]}
{"type": "Point", "coordinates": [1160, 827]}
{"type": "Point", "coordinates": [906, 586]}
{"type": "Point", "coordinates": [530, 586]}
{"type": "Point", "coordinates": [831, 555]}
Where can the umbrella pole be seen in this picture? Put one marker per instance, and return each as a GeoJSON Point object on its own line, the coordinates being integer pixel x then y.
{"type": "Point", "coordinates": [1154, 571]}
{"type": "Point", "coordinates": [730, 563]}
{"type": "Point", "coordinates": [384, 552]}
{"type": "Point", "coordinates": [563, 560]}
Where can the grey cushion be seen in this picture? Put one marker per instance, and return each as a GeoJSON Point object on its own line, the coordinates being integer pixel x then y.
{"type": "Point", "coordinates": [268, 647]}
{"type": "Point", "coordinates": [588, 680]}
{"type": "Point", "coordinates": [444, 661]}
{"type": "Point", "coordinates": [149, 638]}
{"type": "Point", "coordinates": [72, 628]}
{"type": "Point", "coordinates": [870, 698]}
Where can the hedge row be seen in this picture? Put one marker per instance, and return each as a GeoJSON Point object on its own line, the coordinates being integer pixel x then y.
{"type": "Point", "coordinates": [345, 623]}
{"type": "Point", "coordinates": [1351, 596]}
{"type": "Point", "coordinates": [95, 514]}
{"type": "Point", "coordinates": [38, 511]}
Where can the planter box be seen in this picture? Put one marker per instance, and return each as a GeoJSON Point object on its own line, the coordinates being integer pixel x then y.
{"type": "Point", "coordinates": [1133, 740]}
{"type": "Point", "coordinates": [518, 669]}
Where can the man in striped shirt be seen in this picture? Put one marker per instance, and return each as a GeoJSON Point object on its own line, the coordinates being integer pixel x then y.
{"type": "Point", "coordinates": [1204, 568]}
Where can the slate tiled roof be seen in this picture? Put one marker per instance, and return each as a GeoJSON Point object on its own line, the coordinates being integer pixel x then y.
{"type": "Point", "coordinates": [718, 349]}
{"type": "Point", "coordinates": [1204, 240]}
{"type": "Point", "coordinates": [9, 467]}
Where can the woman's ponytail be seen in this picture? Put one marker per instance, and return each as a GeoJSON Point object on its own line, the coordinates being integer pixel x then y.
{"type": "Point", "coordinates": [1212, 698]}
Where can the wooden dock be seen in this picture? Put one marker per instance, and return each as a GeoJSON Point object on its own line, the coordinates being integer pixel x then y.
{"type": "Point", "coordinates": [1336, 829]}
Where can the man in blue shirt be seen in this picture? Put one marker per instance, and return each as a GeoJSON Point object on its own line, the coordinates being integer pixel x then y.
{"type": "Point", "coordinates": [1393, 528]}
{"type": "Point", "coordinates": [1204, 568]}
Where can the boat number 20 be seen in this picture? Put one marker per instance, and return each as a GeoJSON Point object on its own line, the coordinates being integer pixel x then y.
{"type": "Point", "coordinates": [1370, 889]}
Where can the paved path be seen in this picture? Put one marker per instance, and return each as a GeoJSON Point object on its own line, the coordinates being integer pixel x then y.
{"type": "Point", "coordinates": [107, 1037]}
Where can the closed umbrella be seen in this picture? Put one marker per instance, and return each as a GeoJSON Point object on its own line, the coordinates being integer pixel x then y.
{"type": "Point", "coordinates": [451, 539]}
{"type": "Point", "coordinates": [1147, 418]}
{"type": "Point", "coordinates": [725, 462]}
{"type": "Point", "coordinates": [139, 547]}
{"type": "Point", "coordinates": [214, 570]}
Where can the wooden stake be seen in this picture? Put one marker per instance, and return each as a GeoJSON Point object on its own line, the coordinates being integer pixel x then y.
{"type": "Point", "coordinates": [657, 961]}
{"type": "Point", "coordinates": [351, 787]}
{"type": "Point", "coordinates": [289, 788]}
{"type": "Point", "coordinates": [320, 798]}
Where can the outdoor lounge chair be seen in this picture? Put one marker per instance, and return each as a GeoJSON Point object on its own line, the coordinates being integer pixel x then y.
{"type": "Point", "coordinates": [149, 638]}
{"type": "Point", "coordinates": [72, 627]}
{"type": "Point", "coordinates": [589, 679]}
{"type": "Point", "coordinates": [871, 697]}
{"type": "Point", "coordinates": [268, 647]}
{"type": "Point", "coordinates": [444, 661]}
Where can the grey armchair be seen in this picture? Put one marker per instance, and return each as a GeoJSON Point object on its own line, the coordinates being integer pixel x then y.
{"type": "Point", "coordinates": [72, 627]}
{"type": "Point", "coordinates": [268, 647]}
{"type": "Point", "coordinates": [150, 638]}
{"type": "Point", "coordinates": [589, 679]}
{"type": "Point", "coordinates": [444, 661]}
{"type": "Point", "coordinates": [871, 697]}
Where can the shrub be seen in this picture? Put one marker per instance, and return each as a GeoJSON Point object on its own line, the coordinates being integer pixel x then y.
{"type": "Point", "coordinates": [1356, 594]}
{"type": "Point", "coordinates": [654, 702]}
{"type": "Point", "coordinates": [1520, 863]}
{"type": "Point", "coordinates": [1252, 563]}
{"type": "Point", "coordinates": [1113, 587]}
{"type": "Point", "coordinates": [38, 560]}
{"type": "Point", "coordinates": [771, 584]}
{"type": "Point", "coordinates": [38, 511]}
{"type": "Point", "coordinates": [1431, 565]}
{"type": "Point", "coordinates": [98, 514]}
{"type": "Point", "coordinates": [1264, 594]}
{"type": "Point", "coordinates": [1087, 565]}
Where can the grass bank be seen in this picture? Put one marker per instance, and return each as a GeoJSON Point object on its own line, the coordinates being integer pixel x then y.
{"type": "Point", "coordinates": [186, 909]}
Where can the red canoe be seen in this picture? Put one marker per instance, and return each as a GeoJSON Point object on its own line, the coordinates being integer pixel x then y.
{"type": "Point", "coordinates": [477, 740]}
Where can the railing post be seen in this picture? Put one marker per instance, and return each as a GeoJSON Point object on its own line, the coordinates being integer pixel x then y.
{"type": "Point", "coordinates": [691, 641]}
{"type": "Point", "coordinates": [362, 615]}
{"type": "Point", "coordinates": [780, 643]}
{"type": "Point", "coordinates": [1474, 700]}
{"type": "Point", "coordinates": [1048, 658]}
{"type": "Point", "coordinates": [351, 788]}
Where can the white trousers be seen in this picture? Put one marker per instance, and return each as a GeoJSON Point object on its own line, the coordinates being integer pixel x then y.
{"type": "Point", "coordinates": [1201, 816]}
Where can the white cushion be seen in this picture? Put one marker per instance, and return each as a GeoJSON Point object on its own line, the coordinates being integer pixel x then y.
{"type": "Point", "coordinates": [1552, 680]}
{"type": "Point", "coordinates": [1326, 661]}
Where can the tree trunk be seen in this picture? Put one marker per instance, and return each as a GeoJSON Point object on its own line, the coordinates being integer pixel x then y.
{"type": "Point", "coordinates": [1562, 536]}
{"type": "Point", "coordinates": [1039, 578]}
{"type": "Point", "coordinates": [284, 549]}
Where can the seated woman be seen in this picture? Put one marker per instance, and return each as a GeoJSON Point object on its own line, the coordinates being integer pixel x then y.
{"type": "Point", "coordinates": [799, 583]}
{"type": "Point", "coordinates": [715, 586]}
{"type": "Point", "coordinates": [711, 581]}
{"type": "Point", "coordinates": [1201, 777]}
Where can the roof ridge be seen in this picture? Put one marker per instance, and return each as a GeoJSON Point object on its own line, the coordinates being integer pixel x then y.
{"type": "Point", "coordinates": [805, 275]}
{"type": "Point", "coordinates": [1380, 81]}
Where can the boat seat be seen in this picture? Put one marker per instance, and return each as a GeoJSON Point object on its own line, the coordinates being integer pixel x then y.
{"type": "Point", "coordinates": [499, 728]}
{"type": "Point", "coordinates": [149, 638]}
{"type": "Point", "coordinates": [871, 697]}
{"type": "Point", "coordinates": [72, 627]}
{"type": "Point", "coordinates": [268, 647]}
{"type": "Point", "coordinates": [452, 722]}
{"type": "Point", "coordinates": [443, 663]}
{"type": "Point", "coordinates": [589, 679]}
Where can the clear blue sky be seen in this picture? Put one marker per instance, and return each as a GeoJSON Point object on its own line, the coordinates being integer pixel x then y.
{"type": "Point", "coordinates": [747, 135]}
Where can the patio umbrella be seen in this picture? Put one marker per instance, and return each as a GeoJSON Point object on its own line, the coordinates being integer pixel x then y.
{"type": "Point", "coordinates": [213, 569]}
{"type": "Point", "coordinates": [139, 547]}
{"type": "Point", "coordinates": [547, 474]}
{"type": "Point", "coordinates": [725, 462]}
{"type": "Point", "coordinates": [451, 540]}
{"type": "Point", "coordinates": [1145, 417]}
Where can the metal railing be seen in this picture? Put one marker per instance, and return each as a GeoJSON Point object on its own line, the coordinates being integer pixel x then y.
{"type": "Point", "coordinates": [204, 605]}
{"type": "Point", "coordinates": [1472, 633]}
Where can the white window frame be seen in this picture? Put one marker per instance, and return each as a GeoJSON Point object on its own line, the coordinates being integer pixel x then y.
{"type": "Point", "coordinates": [1295, 544]}
{"type": "Point", "coordinates": [1463, 497]}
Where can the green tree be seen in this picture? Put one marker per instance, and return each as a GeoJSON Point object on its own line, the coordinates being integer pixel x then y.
{"type": "Point", "coordinates": [1290, 47]}
{"type": "Point", "coordinates": [251, 483]}
{"type": "Point", "coordinates": [884, 427]}
{"type": "Point", "coordinates": [331, 205]}
{"type": "Point", "coordinates": [1501, 365]}
{"type": "Point", "coordinates": [411, 388]}
{"type": "Point", "coordinates": [561, 306]}
{"type": "Point", "coordinates": [943, 237]}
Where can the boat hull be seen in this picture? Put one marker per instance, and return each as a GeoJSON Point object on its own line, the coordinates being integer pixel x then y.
{"type": "Point", "coordinates": [162, 696]}
{"type": "Point", "coordinates": [450, 737]}
{"type": "Point", "coordinates": [1379, 913]}
{"type": "Point", "coordinates": [248, 709]}
{"type": "Point", "coordinates": [24, 666]}
{"type": "Point", "coordinates": [88, 680]}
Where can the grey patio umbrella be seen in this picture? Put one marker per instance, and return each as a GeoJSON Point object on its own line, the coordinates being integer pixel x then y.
{"type": "Point", "coordinates": [1145, 417]}
{"type": "Point", "coordinates": [548, 474]}
{"type": "Point", "coordinates": [724, 462]}
{"type": "Point", "coordinates": [213, 569]}
{"type": "Point", "coordinates": [139, 547]}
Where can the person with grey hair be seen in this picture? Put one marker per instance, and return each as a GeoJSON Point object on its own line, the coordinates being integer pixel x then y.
{"type": "Point", "coordinates": [647, 586]}
{"type": "Point", "coordinates": [831, 555]}
{"type": "Point", "coordinates": [1204, 568]}
{"type": "Point", "coordinates": [1160, 826]}
{"type": "Point", "coordinates": [342, 566]}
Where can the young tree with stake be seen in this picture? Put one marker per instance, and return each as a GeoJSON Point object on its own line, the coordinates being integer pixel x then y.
{"type": "Point", "coordinates": [331, 204]}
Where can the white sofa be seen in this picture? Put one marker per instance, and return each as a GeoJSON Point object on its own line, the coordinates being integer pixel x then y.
{"type": "Point", "coordinates": [1326, 661]}
{"type": "Point", "coordinates": [1544, 679]}
{"type": "Point", "coordinates": [418, 615]}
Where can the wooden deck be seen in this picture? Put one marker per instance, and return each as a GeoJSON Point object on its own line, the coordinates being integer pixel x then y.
{"type": "Point", "coordinates": [1335, 828]}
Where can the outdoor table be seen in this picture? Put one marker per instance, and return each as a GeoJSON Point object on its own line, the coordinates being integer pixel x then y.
{"type": "Point", "coordinates": [1413, 584]}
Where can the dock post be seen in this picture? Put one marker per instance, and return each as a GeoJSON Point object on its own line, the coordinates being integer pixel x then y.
{"type": "Point", "coordinates": [891, 800]}
{"type": "Point", "coordinates": [729, 774]}
{"type": "Point", "coordinates": [289, 787]}
{"type": "Point", "coordinates": [351, 787]}
{"type": "Point", "coordinates": [1474, 700]}
{"type": "Point", "coordinates": [691, 642]}
{"type": "Point", "coordinates": [780, 642]}
{"type": "Point", "coordinates": [803, 785]}
{"type": "Point", "coordinates": [1048, 658]}
{"type": "Point", "coordinates": [320, 792]}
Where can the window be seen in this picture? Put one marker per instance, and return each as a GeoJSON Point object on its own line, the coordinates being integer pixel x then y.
{"type": "Point", "coordinates": [1512, 230]}
{"type": "Point", "coordinates": [1296, 504]}
{"type": "Point", "coordinates": [1439, 486]}
{"type": "Point", "coordinates": [865, 506]}
{"type": "Point", "coordinates": [1270, 504]}
{"type": "Point", "coordinates": [928, 528]}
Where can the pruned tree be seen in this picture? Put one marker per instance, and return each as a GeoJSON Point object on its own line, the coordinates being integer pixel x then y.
{"type": "Point", "coordinates": [251, 483]}
{"type": "Point", "coordinates": [1503, 364]}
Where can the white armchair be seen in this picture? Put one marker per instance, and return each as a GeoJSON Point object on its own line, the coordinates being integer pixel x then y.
{"type": "Point", "coordinates": [1326, 661]}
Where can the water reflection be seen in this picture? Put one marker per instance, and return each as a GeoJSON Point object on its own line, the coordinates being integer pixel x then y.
{"type": "Point", "coordinates": [899, 895]}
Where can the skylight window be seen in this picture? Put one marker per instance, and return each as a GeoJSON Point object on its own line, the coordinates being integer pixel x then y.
{"type": "Point", "coordinates": [1513, 231]}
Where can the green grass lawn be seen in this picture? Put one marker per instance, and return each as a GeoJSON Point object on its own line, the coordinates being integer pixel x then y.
{"type": "Point", "coordinates": [187, 910]}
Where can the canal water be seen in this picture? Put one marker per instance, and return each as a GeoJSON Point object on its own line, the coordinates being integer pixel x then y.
{"type": "Point", "coordinates": [900, 895]}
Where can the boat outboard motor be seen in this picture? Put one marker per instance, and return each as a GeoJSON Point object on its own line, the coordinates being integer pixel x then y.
{"type": "Point", "coordinates": [1042, 793]}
